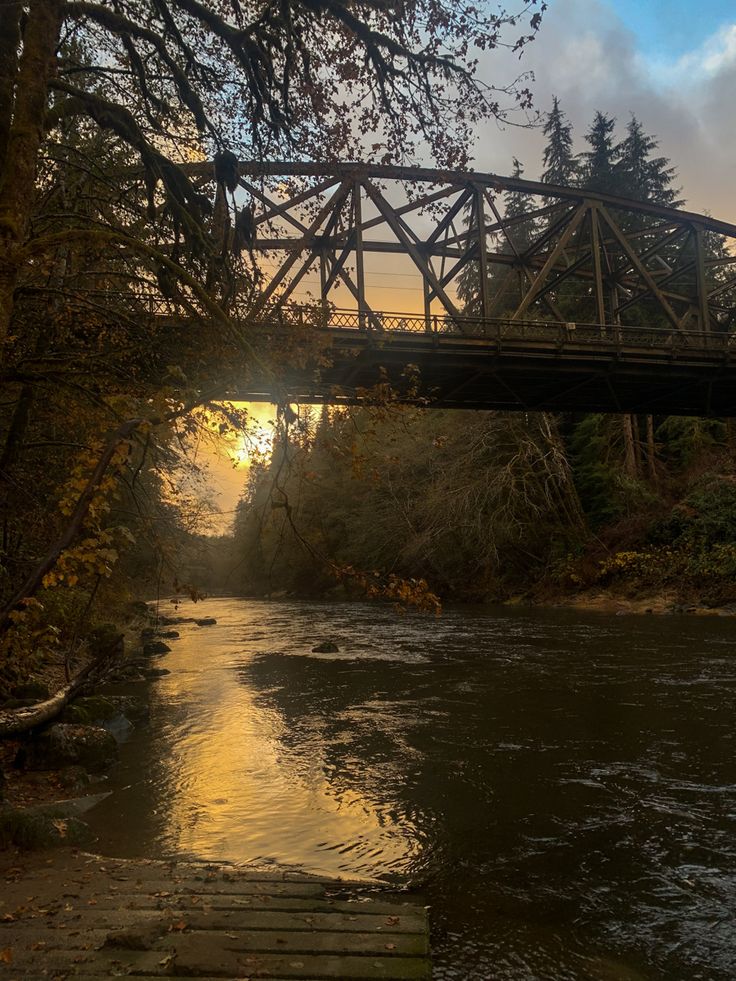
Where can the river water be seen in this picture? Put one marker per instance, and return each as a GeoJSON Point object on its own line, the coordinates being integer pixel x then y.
{"type": "Point", "coordinates": [560, 786]}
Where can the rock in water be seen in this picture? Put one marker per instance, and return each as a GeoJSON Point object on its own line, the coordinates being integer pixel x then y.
{"type": "Point", "coordinates": [135, 709]}
{"type": "Point", "coordinates": [326, 647]}
{"type": "Point", "coordinates": [206, 622]}
{"type": "Point", "coordinates": [154, 647]}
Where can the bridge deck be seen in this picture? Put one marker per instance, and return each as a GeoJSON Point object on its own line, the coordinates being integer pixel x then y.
{"type": "Point", "coordinates": [513, 366]}
{"type": "Point", "coordinates": [87, 917]}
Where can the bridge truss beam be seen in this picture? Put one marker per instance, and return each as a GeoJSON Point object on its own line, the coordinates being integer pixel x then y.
{"type": "Point", "coordinates": [486, 246]}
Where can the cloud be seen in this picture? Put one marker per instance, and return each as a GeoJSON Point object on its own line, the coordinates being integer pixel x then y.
{"type": "Point", "coordinates": [586, 56]}
{"type": "Point", "coordinates": [715, 55]}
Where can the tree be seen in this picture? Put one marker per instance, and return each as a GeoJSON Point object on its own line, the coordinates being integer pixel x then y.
{"type": "Point", "coordinates": [641, 175]}
{"type": "Point", "coordinates": [599, 170]}
{"type": "Point", "coordinates": [506, 285]}
{"type": "Point", "coordinates": [560, 165]}
{"type": "Point", "coordinates": [101, 106]}
{"type": "Point", "coordinates": [473, 501]}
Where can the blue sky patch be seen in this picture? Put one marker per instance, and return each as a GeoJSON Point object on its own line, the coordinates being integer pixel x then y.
{"type": "Point", "coordinates": [670, 28]}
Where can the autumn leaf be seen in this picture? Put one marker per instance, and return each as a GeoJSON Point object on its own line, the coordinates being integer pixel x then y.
{"type": "Point", "coordinates": [61, 826]}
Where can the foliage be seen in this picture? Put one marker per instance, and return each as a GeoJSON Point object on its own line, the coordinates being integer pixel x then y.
{"type": "Point", "coordinates": [704, 519]}
{"type": "Point", "coordinates": [597, 472]}
{"type": "Point", "coordinates": [468, 501]}
{"type": "Point", "coordinates": [641, 175]}
{"type": "Point", "coordinates": [686, 439]}
{"type": "Point", "coordinates": [560, 165]}
{"type": "Point", "coordinates": [599, 164]}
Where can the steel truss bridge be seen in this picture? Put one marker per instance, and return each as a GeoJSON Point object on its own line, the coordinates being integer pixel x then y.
{"type": "Point", "coordinates": [528, 295]}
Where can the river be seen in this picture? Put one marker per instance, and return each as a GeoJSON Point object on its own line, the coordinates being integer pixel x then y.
{"type": "Point", "coordinates": [560, 786]}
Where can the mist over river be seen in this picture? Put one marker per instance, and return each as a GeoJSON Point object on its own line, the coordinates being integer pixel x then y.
{"type": "Point", "coordinates": [560, 786]}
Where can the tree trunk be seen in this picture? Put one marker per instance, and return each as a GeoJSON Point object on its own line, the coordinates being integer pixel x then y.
{"type": "Point", "coordinates": [637, 442]}
{"type": "Point", "coordinates": [13, 722]}
{"type": "Point", "coordinates": [9, 47]}
{"type": "Point", "coordinates": [651, 451]}
{"type": "Point", "coordinates": [629, 450]}
{"type": "Point", "coordinates": [28, 91]}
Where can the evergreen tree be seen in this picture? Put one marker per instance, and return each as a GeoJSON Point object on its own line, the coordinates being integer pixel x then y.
{"type": "Point", "coordinates": [516, 205]}
{"type": "Point", "coordinates": [596, 469]}
{"type": "Point", "coordinates": [505, 290]}
{"type": "Point", "coordinates": [560, 164]}
{"type": "Point", "coordinates": [642, 175]}
{"type": "Point", "coordinates": [599, 165]}
{"type": "Point", "coordinates": [520, 237]}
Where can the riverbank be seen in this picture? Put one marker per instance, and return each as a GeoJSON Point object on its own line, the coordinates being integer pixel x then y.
{"type": "Point", "coordinates": [53, 772]}
{"type": "Point", "coordinates": [667, 603]}
{"type": "Point", "coordinates": [658, 604]}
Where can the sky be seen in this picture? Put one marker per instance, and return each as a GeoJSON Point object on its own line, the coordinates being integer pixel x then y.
{"type": "Point", "coordinates": [667, 28]}
{"type": "Point", "coordinates": [671, 62]}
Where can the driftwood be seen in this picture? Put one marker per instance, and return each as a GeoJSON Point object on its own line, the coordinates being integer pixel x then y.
{"type": "Point", "coordinates": [13, 722]}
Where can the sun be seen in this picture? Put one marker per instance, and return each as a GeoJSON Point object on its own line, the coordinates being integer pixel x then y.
{"type": "Point", "coordinates": [242, 448]}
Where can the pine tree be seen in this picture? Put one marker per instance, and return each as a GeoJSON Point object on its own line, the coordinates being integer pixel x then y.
{"type": "Point", "coordinates": [596, 469]}
{"type": "Point", "coordinates": [516, 205]}
{"type": "Point", "coordinates": [560, 164]}
{"type": "Point", "coordinates": [599, 165]}
{"type": "Point", "coordinates": [642, 175]}
{"type": "Point", "coordinates": [505, 290]}
{"type": "Point", "coordinates": [520, 238]}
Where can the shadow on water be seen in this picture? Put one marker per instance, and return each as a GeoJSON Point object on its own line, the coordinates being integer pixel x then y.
{"type": "Point", "coordinates": [562, 787]}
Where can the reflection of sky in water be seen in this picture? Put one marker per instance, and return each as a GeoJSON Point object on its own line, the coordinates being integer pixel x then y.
{"type": "Point", "coordinates": [562, 786]}
{"type": "Point", "coordinates": [232, 781]}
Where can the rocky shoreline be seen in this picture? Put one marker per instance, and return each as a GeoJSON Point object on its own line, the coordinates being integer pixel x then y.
{"type": "Point", "coordinates": [53, 774]}
{"type": "Point", "coordinates": [617, 604]}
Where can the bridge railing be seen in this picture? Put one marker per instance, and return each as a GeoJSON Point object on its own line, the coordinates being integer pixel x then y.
{"type": "Point", "coordinates": [500, 329]}
{"type": "Point", "coordinates": [315, 316]}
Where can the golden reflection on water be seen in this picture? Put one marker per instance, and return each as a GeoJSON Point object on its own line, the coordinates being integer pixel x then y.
{"type": "Point", "coordinates": [234, 788]}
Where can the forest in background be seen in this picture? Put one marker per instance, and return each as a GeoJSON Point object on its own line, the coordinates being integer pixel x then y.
{"type": "Point", "coordinates": [485, 505]}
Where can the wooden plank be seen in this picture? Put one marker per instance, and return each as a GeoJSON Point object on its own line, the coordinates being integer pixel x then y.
{"type": "Point", "coordinates": [163, 888]}
{"type": "Point", "coordinates": [184, 901]}
{"type": "Point", "coordinates": [86, 918]}
{"type": "Point", "coordinates": [140, 871]}
{"type": "Point", "coordinates": [228, 937]}
{"type": "Point", "coordinates": [192, 962]}
{"type": "Point", "coordinates": [95, 977]}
